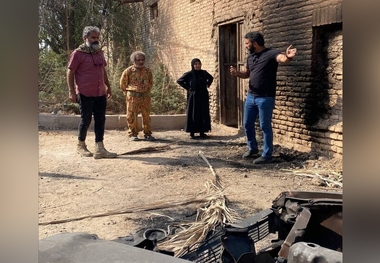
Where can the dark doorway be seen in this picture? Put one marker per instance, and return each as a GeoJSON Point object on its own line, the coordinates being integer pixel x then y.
{"type": "Point", "coordinates": [231, 93]}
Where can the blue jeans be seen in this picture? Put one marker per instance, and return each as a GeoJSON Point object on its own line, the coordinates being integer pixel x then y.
{"type": "Point", "coordinates": [262, 106]}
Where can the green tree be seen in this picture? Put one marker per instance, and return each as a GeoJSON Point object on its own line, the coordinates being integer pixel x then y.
{"type": "Point", "coordinates": [122, 30]}
{"type": "Point", "coordinates": [167, 98]}
{"type": "Point", "coordinates": [60, 32]}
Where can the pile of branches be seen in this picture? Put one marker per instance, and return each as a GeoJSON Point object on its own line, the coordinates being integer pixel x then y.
{"type": "Point", "coordinates": [214, 213]}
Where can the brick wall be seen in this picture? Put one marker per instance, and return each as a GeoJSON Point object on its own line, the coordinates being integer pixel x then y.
{"type": "Point", "coordinates": [308, 113]}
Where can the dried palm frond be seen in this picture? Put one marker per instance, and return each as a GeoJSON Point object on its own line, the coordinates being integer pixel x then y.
{"type": "Point", "coordinates": [155, 206]}
{"type": "Point", "coordinates": [214, 213]}
{"type": "Point", "coordinates": [330, 178]}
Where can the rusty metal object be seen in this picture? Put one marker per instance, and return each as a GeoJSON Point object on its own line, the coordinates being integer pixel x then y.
{"type": "Point", "coordinates": [295, 216]}
{"type": "Point", "coordinates": [297, 231]}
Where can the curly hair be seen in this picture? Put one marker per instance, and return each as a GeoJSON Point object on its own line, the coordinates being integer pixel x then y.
{"type": "Point", "coordinates": [88, 29]}
{"type": "Point", "coordinates": [135, 54]}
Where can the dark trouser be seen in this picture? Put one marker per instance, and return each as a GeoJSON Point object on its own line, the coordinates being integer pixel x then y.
{"type": "Point", "coordinates": [87, 107]}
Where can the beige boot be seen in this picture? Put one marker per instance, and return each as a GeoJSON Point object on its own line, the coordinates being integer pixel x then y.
{"type": "Point", "coordinates": [100, 152]}
{"type": "Point", "coordinates": [82, 149]}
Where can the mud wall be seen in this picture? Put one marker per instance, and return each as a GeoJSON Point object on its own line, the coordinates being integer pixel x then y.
{"type": "Point", "coordinates": [308, 113]}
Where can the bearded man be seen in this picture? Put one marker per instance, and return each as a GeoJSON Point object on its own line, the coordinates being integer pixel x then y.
{"type": "Point", "coordinates": [88, 86]}
{"type": "Point", "coordinates": [261, 69]}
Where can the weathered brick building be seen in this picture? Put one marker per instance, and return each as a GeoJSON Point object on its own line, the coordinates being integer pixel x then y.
{"type": "Point", "coordinates": [308, 113]}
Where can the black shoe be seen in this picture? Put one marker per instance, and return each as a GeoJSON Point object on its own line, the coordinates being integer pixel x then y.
{"type": "Point", "coordinates": [262, 160]}
{"type": "Point", "coordinates": [250, 153]}
{"type": "Point", "coordinates": [203, 135]}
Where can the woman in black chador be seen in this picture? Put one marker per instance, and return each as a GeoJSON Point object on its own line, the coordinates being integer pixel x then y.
{"type": "Point", "coordinates": [196, 83]}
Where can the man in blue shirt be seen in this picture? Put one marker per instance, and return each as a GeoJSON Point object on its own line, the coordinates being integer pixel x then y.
{"type": "Point", "coordinates": [261, 69]}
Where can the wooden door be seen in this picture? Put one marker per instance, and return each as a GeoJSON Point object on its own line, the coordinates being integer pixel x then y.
{"type": "Point", "coordinates": [230, 96]}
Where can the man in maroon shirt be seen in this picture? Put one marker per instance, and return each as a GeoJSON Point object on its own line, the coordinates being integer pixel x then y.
{"type": "Point", "coordinates": [90, 90]}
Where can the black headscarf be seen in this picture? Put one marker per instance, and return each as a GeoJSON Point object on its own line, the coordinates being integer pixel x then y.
{"type": "Point", "coordinates": [197, 73]}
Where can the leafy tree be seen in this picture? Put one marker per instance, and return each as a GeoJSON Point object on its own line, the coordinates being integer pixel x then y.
{"type": "Point", "coordinates": [166, 96]}
{"type": "Point", "coordinates": [60, 32]}
{"type": "Point", "coordinates": [122, 25]}
{"type": "Point", "coordinates": [62, 22]}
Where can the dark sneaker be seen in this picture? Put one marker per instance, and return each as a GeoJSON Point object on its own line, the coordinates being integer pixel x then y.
{"type": "Point", "coordinates": [149, 138]}
{"type": "Point", "coordinates": [262, 160]}
{"type": "Point", "coordinates": [250, 153]}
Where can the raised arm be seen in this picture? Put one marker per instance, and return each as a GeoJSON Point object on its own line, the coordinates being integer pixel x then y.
{"type": "Point", "coordinates": [288, 56]}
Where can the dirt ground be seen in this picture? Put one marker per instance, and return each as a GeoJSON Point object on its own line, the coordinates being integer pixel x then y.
{"type": "Point", "coordinates": [80, 191]}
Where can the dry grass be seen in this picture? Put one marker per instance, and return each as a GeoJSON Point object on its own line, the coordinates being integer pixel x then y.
{"type": "Point", "coordinates": [214, 213]}
{"type": "Point", "coordinates": [325, 172]}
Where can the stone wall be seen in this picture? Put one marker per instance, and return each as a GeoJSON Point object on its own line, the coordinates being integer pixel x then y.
{"type": "Point", "coordinates": [308, 113]}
